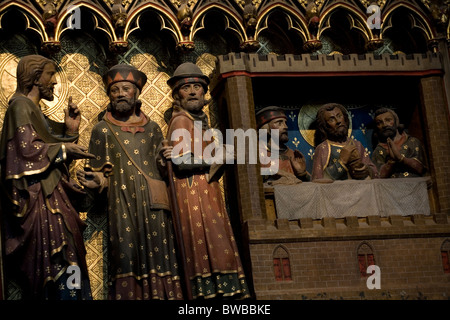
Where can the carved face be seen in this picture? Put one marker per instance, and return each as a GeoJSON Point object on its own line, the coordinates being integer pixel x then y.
{"type": "Point", "coordinates": [281, 125]}
{"type": "Point", "coordinates": [122, 96]}
{"type": "Point", "coordinates": [386, 126]}
{"type": "Point", "coordinates": [192, 97]}
{"type": "Point", "coordinates": [336, 126]}
{"type": "Point", "coordinates": [47, 82]}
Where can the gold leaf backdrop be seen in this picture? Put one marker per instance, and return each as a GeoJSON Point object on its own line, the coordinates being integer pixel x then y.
{"type": "Point", "coordinates": [81, 64]}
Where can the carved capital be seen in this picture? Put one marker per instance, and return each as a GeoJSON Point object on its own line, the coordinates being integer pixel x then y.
{"type": "Point", "coordinates": [250, 46]}
{"type": "Point", "coordinates": [185, 46]}
{"type": "Point", "coordinates": [312, 45]}
{"type": "Point", "coordinates": [118, 47]}
{"type": "Point", "coordinates": [51, 47]}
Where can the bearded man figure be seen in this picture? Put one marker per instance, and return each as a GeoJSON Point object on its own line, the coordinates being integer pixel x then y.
{"type": "Point", "coordinates": [142, 259]}
{"type": "Point", "coordinates": [337, 157]}
{"type": "Point", "coordinates": [213, 264]}
{"type": "Point", "coordinates": [43, 231]}
{"type": "Point", "coordinates": [397, 155]}
{"type": "Point", "coordinates": [291, 163]}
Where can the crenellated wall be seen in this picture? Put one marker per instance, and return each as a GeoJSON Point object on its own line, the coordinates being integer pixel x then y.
{"type": "Point", "coordinates": [234, 42]}
{"type": "Point", "coordinates": [324, 261]}
{"type": "Point", "coordinates": [319, 65]}
{"type": "Point", "coordinates": [321, 256]}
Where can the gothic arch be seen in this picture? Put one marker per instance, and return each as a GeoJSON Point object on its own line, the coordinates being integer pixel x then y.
{"type": "Point", "coordinates": [168, 21]}
{"type": "Point", "coordinates": [446, 245]}
{"type": "Point", "coordinates": [345, 29]}
{"type": "Point", "coordinates": [108, 28]}
{"type": "Point", "coordinates": [422, 21]}
{"type": "Point", "coordinates": [365, 257]}
{"type": "Point", "coordinates": [233, 22]}
{"type": "Point", "coordinates": [364, 247]}
{"type": "Point", "coordinates": [281, 264]}
{"type": "Point", "coordinates": [33, 19]}
{"type": "Point", "coordinates": [406, 31]}
{"type": "Point", "coordinates": [357, 18]}
{"type": "Point", "coordinates": [296, 22]}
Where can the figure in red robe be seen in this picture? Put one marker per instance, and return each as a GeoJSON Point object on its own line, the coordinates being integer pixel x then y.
{"type": "Point", "coordinates": [338, 157]}
{"type": "Point", "coordinates": [213, 262]}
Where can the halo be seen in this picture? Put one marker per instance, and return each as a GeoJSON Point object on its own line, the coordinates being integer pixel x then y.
{"type": "Point", "coordinates": [307, 115]}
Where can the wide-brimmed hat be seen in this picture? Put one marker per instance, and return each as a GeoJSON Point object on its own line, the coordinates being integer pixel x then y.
{"type": "Point", "coordinates": [187, 73]}
{"type": "Point", "coordinates": [124, 72]}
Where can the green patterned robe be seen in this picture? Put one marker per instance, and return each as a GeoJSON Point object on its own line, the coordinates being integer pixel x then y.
{"type": "Point", "coordinates": [410, 147]}
{"type": "Point", "coordinates": [142, 263]}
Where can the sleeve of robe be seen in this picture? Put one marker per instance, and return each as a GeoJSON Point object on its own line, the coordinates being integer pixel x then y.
{"type": "Point", "coordinates": [181, 137]}
{"type": "Point", "coordinates": [28, 159]}
{"type": "Point", "coordinates": [366, 160]}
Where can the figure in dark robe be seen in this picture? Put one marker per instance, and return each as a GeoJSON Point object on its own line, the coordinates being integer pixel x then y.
{"type": "Point", "coordinates": [142, 259]}
{"type": "Point", "coordinates": [397, 155]}
{"type": "Point", "coordinates": [43, 230]}
{"type": "Point", "coordinates": [291, 168]}
{"type": "Point", "coordinates": [338, 157]}
{"type": "Point", "coordinates": [213, 261]}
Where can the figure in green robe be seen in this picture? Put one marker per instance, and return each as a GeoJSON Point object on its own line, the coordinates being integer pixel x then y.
{"type": "Point", "coordinates": [142, 258]}
{"type": "Point", "coordinates": [397, 155]}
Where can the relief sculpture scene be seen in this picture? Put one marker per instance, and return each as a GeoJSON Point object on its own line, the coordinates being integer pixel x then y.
{"type": "Point", "coordinates": [224, 150]}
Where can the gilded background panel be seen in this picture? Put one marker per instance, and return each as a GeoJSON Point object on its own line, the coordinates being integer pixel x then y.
{"type": "Point", "coordinates": [82, 62]}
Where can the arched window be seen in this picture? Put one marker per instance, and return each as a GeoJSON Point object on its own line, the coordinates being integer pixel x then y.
{"type": "Point", "coordinates": [365, 258]}
{"type": "Point", "coordinates": [445, 253]}
{"type": "Point", "coordinates": [281, 264]}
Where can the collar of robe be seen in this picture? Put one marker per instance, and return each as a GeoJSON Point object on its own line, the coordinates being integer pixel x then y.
{"type": "Point", "coordinates": [130, 125]}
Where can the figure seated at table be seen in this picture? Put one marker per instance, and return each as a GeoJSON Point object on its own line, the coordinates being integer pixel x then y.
{"type": "Point", "coordinates": [397, 155]}
{"type": "Point", "coordinates": [291, 163]}
{"type": "Point", "coordinates": [338, 157]}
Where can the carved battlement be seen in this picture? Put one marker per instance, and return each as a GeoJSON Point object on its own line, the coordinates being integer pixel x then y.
{"type": "Point", "coordinates": [328, 228]}
{"type": "Point", "coordinates": [322, 64]}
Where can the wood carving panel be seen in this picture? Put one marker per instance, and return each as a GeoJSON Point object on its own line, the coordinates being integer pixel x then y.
{"type": "Point", "coordinates": [81, 64]}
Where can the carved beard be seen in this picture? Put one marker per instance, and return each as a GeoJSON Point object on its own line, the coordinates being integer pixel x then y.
{"type": "Point", "coordinates": [46, 91]}
{"type": "Point", "coordinates": [284, 137]}
{"type": "Point", "coordinates": [193, 105]}
{"type": "Point", "coordinates": [387, 132]}
{"type": "Point", "coordinates": [338, 134]}
{"type": "Point", "coordinates": [123, 105]}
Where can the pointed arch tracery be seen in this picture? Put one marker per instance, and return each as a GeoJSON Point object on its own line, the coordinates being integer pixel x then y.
{"type": "Point", "coordinates": [420, 19]}
{"type": "Point", "coordinates": [33, 19]}
{"type": "Point", "coordinates": [168, 20]}
{"type": "Point", "coordinates": [233, 21]}
{"type": "Point", "coordinates": [101, 18]}
{"type": "Point", "coordinates": [295, 21]}
{"type": "Point", "coordinates": [358, 21]}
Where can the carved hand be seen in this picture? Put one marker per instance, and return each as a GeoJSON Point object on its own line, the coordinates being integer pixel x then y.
{"type": "Point", "coordinates": [348, 152]}
{"type": "Point", "coordinates": [92, 180]}
{"type": "Point", "coordinates": [394, 151]}
{"type": "Point", "coordinates": [72, 118]}
{"type": "Point", "coordinates": [75, 151]}
{"type": "Point", "coordinates": [298, 163]}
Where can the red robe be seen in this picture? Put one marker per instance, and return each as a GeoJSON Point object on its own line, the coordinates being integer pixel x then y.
{"type": "Point", "coordinates": [213, 260]}
{"type": "Point", "coordinates": [326, 161]}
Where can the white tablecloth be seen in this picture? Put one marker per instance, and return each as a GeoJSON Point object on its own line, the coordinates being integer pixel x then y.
{"type": "Point", "coordinates": [382, 197]}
